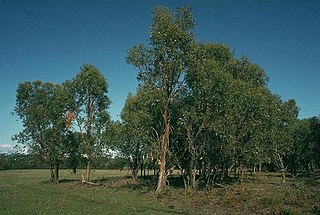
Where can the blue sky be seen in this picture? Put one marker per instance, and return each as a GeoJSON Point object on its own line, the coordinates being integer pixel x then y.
{"type": "Point", "coordinates": [49, 40]}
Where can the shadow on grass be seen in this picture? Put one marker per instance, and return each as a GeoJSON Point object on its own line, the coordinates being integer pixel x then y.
{"type": "Point", "coordinates": [150, 182]}
{"type": "Point", "coordinates": [61, 181]}
{"type": "Point", "coordinates": [66, 181]}
{"type": "Point", "coordinates": [105, 180]}
{"type": "Point", "coordinates": [173, 181]}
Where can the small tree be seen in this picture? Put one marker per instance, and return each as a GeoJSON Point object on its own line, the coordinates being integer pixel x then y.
{"type": "Point", "coordinates": [89, 104]}
{"type": "Point", "coordinates": [42, 110]}
{"type": "Point", "coordinates": [141, 125]}
{"type": "Point", "coordinates": [283, 119]}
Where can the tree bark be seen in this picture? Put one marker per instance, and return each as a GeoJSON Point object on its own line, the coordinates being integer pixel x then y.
{"type": "Point", "coordinates": [283, 169]}
{"type": "Point", "coordinates": [88, 170]}
{"type": "Point", "coordinates": [51, 173]}
{"type": "Point", "coordinates": [164, 144]}
{"type": "Point", "coordinates": [192, 177]}
{"type": "Point", "coordinates": [56, 171]}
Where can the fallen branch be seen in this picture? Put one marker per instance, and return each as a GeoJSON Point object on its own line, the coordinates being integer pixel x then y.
{"type": "Point", "coordinates": [88, 182]}
{"type": "Point", "coordinates": [220, 185]}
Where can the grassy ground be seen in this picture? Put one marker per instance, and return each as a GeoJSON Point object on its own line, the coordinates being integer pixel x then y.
{"type": "Point", "coordinates": [28, 192]}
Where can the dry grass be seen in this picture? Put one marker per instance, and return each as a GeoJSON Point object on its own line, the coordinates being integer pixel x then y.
{"type": "Point", "coordinates": [265, 195]}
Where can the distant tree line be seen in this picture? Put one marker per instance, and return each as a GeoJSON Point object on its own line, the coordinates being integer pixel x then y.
{"type": "Point", "coordinates": [198, 108]}
{"type": "Point", "coordinates": [30, 161]}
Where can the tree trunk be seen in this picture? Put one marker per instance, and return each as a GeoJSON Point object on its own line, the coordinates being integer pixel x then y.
{"type": "Point", "coordinates": [51, 173]}
{"type": "Point", "coordinates": [56, 171]}
{"type": "Point", "coordinates": [164, 144]}
{"type": "Point", "coordinates": [141, 170]}
{"type": "Point", "coordinates": [283, 169]}
{"type": "Point", "coordinates": [135, 165]}
{"type": "Point", "coordinates": [88, 170]}
{"type": "Point", "coordinates": [135, 173]}
{"type": "Point", "coordinates": [193, 178]}
{"type": "Point", "coordinates": [260, 167]}
{"type": "Point", "coordinates": [184, 177]}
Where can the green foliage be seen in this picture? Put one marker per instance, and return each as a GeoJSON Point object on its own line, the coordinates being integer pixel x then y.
{"type": "Point", "coordinates": [217, 111]}
{"type": "Point", "coordinates": [304, 153]}
{"type": "Point", "coordinates": [44, 109]}
{"type": "Point", "coordinates": [162, 67]}
{"type": "Point", "coordinates": [41, 108]}
{"type": "Point", "coordinates": [140, 130]}
{"type": "Point", "coordinates": [89, 103]}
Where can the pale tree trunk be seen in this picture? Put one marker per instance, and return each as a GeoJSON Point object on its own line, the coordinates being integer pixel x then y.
{"type": "Point", "coordinates": [88, 170]}
{"type": "Point", "coordinates": [51, 173]}
{"type": "Point", "coordinates": [88, 164]}
{"type": "Point", "coordinates": [164, 144]}
{"type": "Point", "coordinates": [260, 167]}
{"type": "Point", "coordinates": [283, 168]}
{"type": "Point", "coordinates": [192, 176]}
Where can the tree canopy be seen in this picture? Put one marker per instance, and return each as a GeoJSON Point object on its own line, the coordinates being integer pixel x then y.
{"type": "Point", "coordinates": [48, 110]}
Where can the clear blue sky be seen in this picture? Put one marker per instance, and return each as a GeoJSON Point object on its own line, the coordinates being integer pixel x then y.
{"type": "Point", "coordinates": [49, 40]}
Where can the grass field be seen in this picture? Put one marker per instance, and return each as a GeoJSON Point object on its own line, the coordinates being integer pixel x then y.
{"type": "Point", "coordinates": [28, 192]}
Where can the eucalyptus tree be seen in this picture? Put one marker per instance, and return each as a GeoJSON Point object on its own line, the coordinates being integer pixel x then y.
{"type": "Point", "coordinates": [140, 130]}
{"type": "Point", "coordinates": [243, 69]}
{"type": "Point", "coordinates": [301, 155]}
{"type": "Point", "coordinates": [162, 66]}
{"type": "Point", "coordinates": [201, 102]}
{"type": "Point", "coordinates": [315, 139]}
{"type": "Point", "coordinates": [305, 152]}
{"type": "Point", "coordinates": [74, 157]}
{"type": "Point", "coordinates": [224, 113]}
{"type": "Point", "coordinates": [134, 134]}
{"type": "Point", "coordinates": [42, 110]}
{"type": "Point", "coordinates": [247, 125]}
{"type": "Point", "coordinates": [283, 120]}
{"type": "Point", "coordinates": [89, 106]}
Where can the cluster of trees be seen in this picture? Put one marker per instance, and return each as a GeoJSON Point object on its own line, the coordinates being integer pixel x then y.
{"type": "Point", "coordinates": [197, 108]}
{"type": "Point", "coordinates": [65, 121]}
{"type": "Point", "coordinates": [304, 154]}
{"type": "Point", "coordinates": [201, 109]}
